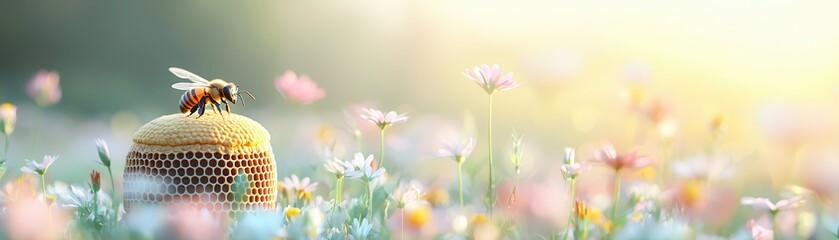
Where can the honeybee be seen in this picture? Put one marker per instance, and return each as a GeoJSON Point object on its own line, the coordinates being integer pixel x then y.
{"type": "Point", "coordinates": [200, 92]}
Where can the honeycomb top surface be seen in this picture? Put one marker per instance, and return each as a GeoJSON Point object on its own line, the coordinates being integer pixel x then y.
{"type": "Point", "coordinates": [210, 129]}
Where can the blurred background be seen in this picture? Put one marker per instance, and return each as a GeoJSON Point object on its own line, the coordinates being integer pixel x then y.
{"type": "Point", "coordinates": [662, 75]}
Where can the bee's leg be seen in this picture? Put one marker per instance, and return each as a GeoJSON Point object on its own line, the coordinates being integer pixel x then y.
{"type": "Point", "coordinates": [202, 106]}
{"type": "Point", "coordinates": [226, 106]}
{"type": "Point", "coordinates": [216, 106]}
{"type": "Point", "coordinates": [193, 109]}
{"type": "Point", "coordinates": [212, 105]}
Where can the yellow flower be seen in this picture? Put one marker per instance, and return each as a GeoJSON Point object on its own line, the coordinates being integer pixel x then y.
{"type": "Point", "coordinates": [581, 209]}
{"type": "Point", "coordinates": [8, 117]}
{"type": "Point", "coordinates": [418, 217]}
{"type": "Point", "coordinates": [593, 215]}
{"type": "Point", "coordinates": [305, 195]}
{"type": "Point", "coordinates": [596, 216]}
{"type": "Point", "coordinates": [480, 218]}
{"type": "Point", "coordinates": [292, 212]}
{"type": "Point", "coordinates": [691, 192]}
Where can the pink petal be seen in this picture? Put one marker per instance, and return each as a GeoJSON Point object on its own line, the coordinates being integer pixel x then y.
{"type": "Point", "coordinates": [496, 72]}
{"type": "Point", "coordinates": [758, 203]}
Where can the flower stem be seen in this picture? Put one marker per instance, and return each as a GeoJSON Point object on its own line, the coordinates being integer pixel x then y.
{"type": "Point", "coordinates": [6, 148]}
{"type": "Point", "coordinates": [95, 205]}
{"type": "Point", "coordinates": [382, 152]}
{"type": "Point", "coordinates": [4, 160]}
{"type": "Point", "coordinates": [489, 142]}
{"type": "Point", "coordinates": [403, 223]}
{"type": "Point", "coordinates": [572, 193]}
{"type": "Point", "coordinates": [339, 185]}
{"type": "Point", "coordinates": [44, 191]}
{"type": "Point", "coordinates": [44, 186]}
{"type": "Point", "coordinates": [369, 201]}
{"type": "Point", "coordinates": [460, 181]}
{"type": "Point", "coordinates": [113, 185]}
{"type": "Point", "coordinates": [113, 193]}
{"type": "Point", "coordinates": [617, 197]}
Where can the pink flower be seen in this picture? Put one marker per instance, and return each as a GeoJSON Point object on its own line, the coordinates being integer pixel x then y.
{"type": "Point", "coordinates": [300, 90]}
{"type": "Point", "coordinates": [490, 78]}
{"type": "Point", "coordinates": [39, 168]}
{"type": "Point", "coordinates": [383, 120]}
{"type": "Point", "coordinates": [759, 232]}
{"type": "Point", "coordinates": [765, 204]}
{"type": "Point", "coordinates": [299, 185]}
{"type": "Point", "coordinates": [44, 88]}
{"type": "Point", "coordinates": [608, 155]}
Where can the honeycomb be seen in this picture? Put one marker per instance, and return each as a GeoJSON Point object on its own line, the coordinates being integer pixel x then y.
{"type": "Point", "coordinates": [195, 161]}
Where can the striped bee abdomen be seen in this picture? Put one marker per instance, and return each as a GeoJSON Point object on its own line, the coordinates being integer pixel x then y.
{"type": "Point", "coordinates": [190, 98]}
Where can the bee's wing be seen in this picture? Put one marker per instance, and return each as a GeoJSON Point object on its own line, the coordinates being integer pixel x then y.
{"type": "Point", "coordinates": [181, 73]}
{"type": "Point", "coordinates": [187, 85]}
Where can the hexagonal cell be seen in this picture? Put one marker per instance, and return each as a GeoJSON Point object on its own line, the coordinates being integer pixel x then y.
{"type": "Point", "coordinates": [200, 170]}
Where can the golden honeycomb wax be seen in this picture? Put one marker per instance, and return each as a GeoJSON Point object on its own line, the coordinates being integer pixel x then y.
{"type": "Point", "coordinates": [189, 160]}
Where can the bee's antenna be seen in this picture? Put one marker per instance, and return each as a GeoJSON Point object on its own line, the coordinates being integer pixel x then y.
{"type": "Point", "coordinates": [249, 94]}
{"type": "Point", "coordinates": [241, 99]}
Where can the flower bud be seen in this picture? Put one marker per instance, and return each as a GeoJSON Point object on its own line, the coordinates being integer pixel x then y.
{"type": "Point", "coordinates": [104, 152]}
{"type": "Point", "coordinates": [8, 116]}
{"type": "Point", "coordinates": [95, 181]}
{"type": "Point", "coordinates": [569, 156]}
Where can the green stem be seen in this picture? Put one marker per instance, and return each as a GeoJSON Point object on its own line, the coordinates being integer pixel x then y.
{"type": "Point", "coordinates": [572, 193]}
{"type": "Point", "coordinates": [369, 201]}
{"type": "Point", "coordinates": [460, 181]}
{"type": "Point", "coordinates": [44, 186]}
{"type": "Point", "coordinates": [382, 152]}
{"type": "Point", "coordinates": [113, 185]}
{"type": "Point", "coordinates": [489, 142]}
{"type": "Point", "coordinates": [6, 148]}
{"type": "Point", "coordinates": [113, 194]}
{"type": "Point", "coordinates": [95, 205]}
{"type": "Point", "coordinates": [340, 189]}
{"type": "Point", "coordinates": [4, 160]}
{"type": "Point", "coordinates": [617, 197]}
{"type": "Point", "coordinates": [44, 191]}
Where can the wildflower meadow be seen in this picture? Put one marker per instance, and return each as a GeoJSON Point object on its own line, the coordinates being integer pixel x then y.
{"type": "Point", "coordinates": [432, 120]}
